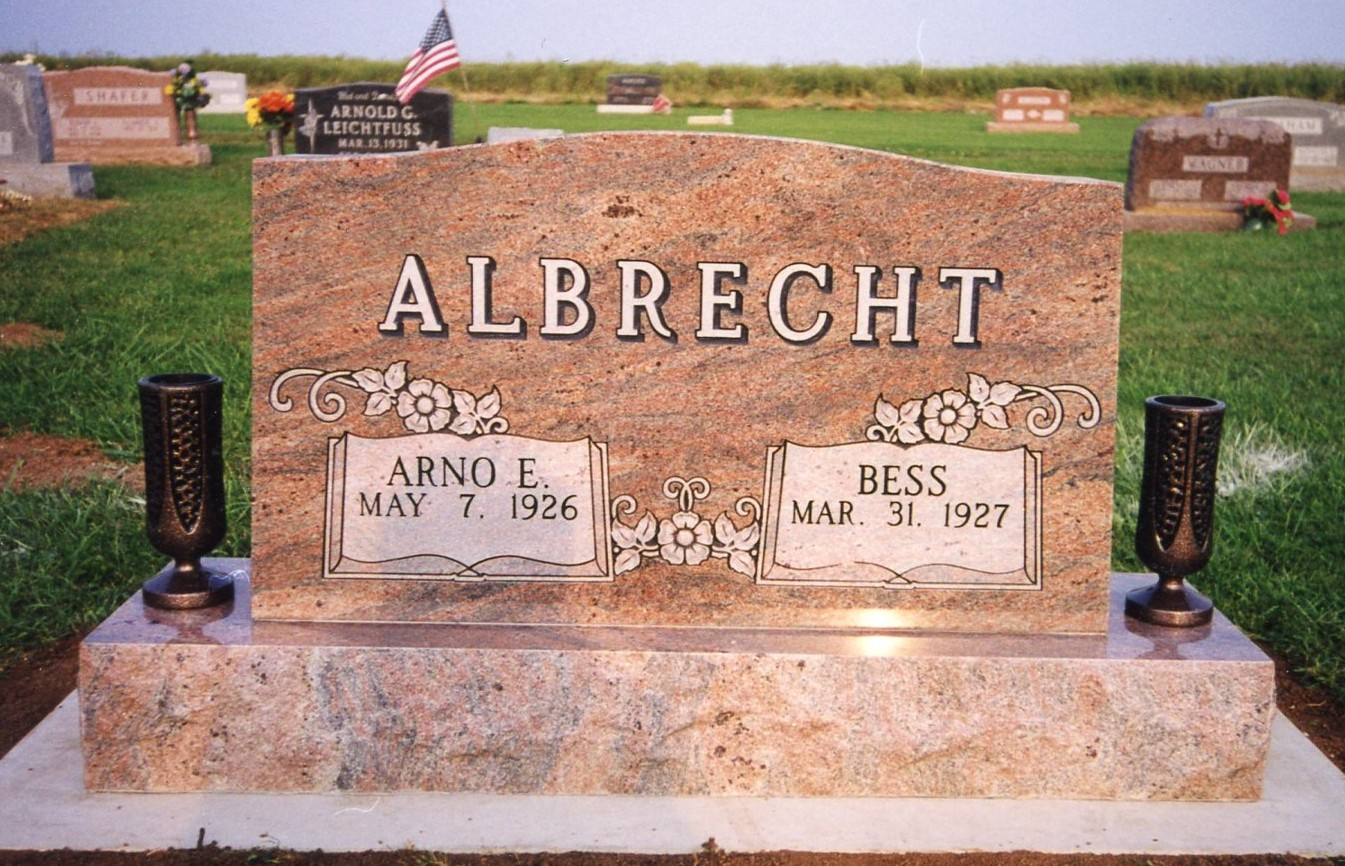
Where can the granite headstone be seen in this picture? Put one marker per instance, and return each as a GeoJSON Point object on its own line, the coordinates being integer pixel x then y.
{"type": "Point", "coordinates": [368, 118]}
{"type": "Point", "coordinates": [228, 92]}
{"type": "Point", "coordinates": [656, 329]}
{"type": "Point", "coordinates": [26, 150]}
{"type": "Point", "coordinates": [678, 465]}
{"type": "Point", "coordinates": [116, 114]}
{"type": "Point", "coordinates": [1192, 174]}
{"type": "Point", "coordinates": [1317, 130]}
{"type": "Point", "coordinates": [1032, 109]}
{"type": "Point", "coordinates": [628, 89]}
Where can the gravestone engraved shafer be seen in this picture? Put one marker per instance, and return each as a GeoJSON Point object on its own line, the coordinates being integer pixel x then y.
{"type": "Point", "coordinates": [26, 151]}
{"type": "Point", "coordinates": [1317, 130]}
{"type": "Point", "coordinates": [1032, 109]}
{"type": "Point", "coordinates": [368, 118]}
{"type": "Point", "coordinates": [677, 464]}
{"type": "Point", "coordinates": [115, 114]}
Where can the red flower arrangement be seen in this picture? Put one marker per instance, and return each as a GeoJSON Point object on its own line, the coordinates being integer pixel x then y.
{"type": "Point", "coordinates": [1257, 211]}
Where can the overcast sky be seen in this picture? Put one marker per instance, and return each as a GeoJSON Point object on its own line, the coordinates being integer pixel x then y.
{"type": "Point", "coordinates": [939, 33]}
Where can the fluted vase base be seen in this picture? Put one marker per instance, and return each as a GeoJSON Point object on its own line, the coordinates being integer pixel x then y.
{"type": "Point", "coordinates": [178, 588]}
{"type": "Point", "coordinates": [1170, 603]}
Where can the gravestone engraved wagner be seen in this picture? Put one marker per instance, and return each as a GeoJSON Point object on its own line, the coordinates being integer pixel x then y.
{"type": "Point", "coordinates": [616, 383]}
{"type": "Point", "coordinates": [1211, 163]}
{"type": "Point", "coordinates": [368, 118]}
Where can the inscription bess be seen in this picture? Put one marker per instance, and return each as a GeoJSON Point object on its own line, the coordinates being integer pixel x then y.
{"type": "Point", "coordinates": [644, 287]}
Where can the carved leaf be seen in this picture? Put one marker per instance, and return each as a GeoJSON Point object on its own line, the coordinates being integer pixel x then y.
{"type": "Point", "coordinates": [994, 416]}
{"type": "Point", "coordinates": [623, 536]}
{"type": "Point", "coordinates": [977, 388]}
{"type": "Point", "coordinates": [908, 428]}
{"type": "Point", "coordinates": [379, 403]}
{"type": "Point", "coordinates": [885, 413]}
{"type": "Point", "coordinates": [626, 560]}
{"type": "Point", "coordinates": [741, 562]}
{"type": "Point", "coordinates": [1004, 393]}
{"type": "Point", "coordinates": [647, 528]}
{"type": "Point", "coordinates": [489, 405]}
{"type": "Point", "coordinates": [464, 403]}
{"type": "Point", "coordinates": [463, 425]}
{"type": "Point", "coordinates": [369, 380]}
{"type": "Point", "coordinates": [725, 531]}
{"type": "Point", "coordinates": [395, 377]}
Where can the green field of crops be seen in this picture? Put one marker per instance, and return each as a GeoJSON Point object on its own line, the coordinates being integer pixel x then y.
{"type": "Point", "coordinates": [163, 283]}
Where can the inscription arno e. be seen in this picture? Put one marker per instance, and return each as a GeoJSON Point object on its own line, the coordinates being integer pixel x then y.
{"type": "Point", "coordinates": [645, 287]}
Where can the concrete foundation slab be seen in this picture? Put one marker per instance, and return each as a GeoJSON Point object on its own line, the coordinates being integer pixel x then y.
{"type": "Point", "coordinates": [45, 806]}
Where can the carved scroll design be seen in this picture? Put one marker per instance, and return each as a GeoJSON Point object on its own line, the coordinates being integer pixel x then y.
{"type": "Point", "coordinates": [423, 405]}
{"type": "Point", "coordinates": [950, 416]}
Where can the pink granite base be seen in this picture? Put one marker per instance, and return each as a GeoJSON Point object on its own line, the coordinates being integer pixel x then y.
{"type": "Point", "coordinates": [212, 701]}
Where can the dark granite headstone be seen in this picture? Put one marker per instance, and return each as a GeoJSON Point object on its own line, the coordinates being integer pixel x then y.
{"type": "Point", "coordinates": [1206, 163]}
{"type": "Point", "coordinates": [368, 118]}
{"type": "Point", "coordinates": [633, 89]}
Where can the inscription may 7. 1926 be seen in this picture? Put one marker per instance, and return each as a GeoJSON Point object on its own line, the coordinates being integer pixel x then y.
{"type": "Point", "coordinates": [644, 379]}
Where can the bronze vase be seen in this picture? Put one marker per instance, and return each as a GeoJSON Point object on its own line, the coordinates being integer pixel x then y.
{"type": "Point", "coordinates": [181, 418]}
{"type": "Point", "coordinates": [1175, 535]}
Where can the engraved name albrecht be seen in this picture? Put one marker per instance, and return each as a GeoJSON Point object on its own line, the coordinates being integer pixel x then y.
{"type": "Point", "coordinates": [645, 287]}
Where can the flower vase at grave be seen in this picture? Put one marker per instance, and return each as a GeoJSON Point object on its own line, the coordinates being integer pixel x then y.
{"type": "Point", "coordinates": [181, 417]}
{"type": "Point", "coordinates": [275, 142]}
{"type": "Point", "coordinates": [191, 124]}
{"type": "Point", "coordinates": [1175, 535]}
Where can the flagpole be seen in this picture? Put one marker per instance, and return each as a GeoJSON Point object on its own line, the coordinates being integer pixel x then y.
{"type": "Point", "coordinates": [462, 70]}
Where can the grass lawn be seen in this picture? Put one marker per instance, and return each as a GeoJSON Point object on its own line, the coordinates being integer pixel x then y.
{"type": "Point", "coordinates": [164, 283]}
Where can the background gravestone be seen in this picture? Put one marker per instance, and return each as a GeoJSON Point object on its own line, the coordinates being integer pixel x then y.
{"type": "Point", "coordinates": [115, 114]}
{"type": "Point", "coordinates": [1192, 174]}
{"type": "Point", "coordinates": [26, 150]}
{"type": "Point", "coordinates": [368, 118]}
{"type": "Point", "coordinates": [1317, 130]}
{"type": "Point", "coordinates": [633, 89]}
{"type": "Point", "coordinates": [1032, 109]}
{"type": "Point", "coordinates": [228, 92]}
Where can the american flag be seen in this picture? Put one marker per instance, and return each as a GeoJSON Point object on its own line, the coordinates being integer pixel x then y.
{"type": "Point", "coordinates": [437, 54]}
